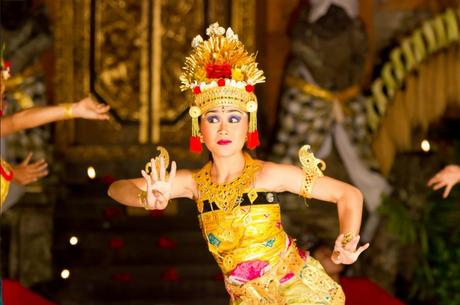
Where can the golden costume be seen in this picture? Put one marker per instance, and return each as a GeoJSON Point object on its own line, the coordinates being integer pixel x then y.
{"type": "Point", "coordinates": [260, 262]}
{"type": "Point", "coordinates": [6, 174]}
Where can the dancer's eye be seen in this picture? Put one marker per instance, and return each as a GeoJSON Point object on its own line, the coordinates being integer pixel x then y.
{"type": "Point", "coordinates": [212, 119]}
{"type": "Point", "coordinates": [234, 119]}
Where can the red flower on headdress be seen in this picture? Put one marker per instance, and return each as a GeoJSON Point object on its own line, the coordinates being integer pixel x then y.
{"type": "Point", "coordinates": [249, 88]}
{"type": "Point", "coordinates": [218, 71]}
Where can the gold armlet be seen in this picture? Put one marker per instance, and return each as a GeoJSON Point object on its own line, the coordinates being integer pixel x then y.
{"type": "Point", "coordinates": [311, 170]}
{"type": "Point", "coordinates": [68, 113]}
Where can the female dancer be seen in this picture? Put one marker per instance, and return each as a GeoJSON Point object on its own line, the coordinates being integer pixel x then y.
{"type": "Point", "coordinates": [239, 211]}
{"type": "Point", "coordinates": [34, 117]}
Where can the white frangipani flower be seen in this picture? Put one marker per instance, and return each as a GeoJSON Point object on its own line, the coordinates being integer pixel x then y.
{"type": "Point", "coordinates": [215, 29]}
{"type": "Point", "coordinates": [231, 35]}
{"type": "Point", "coordinates": [196, 41]}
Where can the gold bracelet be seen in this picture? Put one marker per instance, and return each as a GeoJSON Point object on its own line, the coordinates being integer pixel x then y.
{"type": "Point", "coordinates": [68, 113]}
{"type": "Point", "coordinates": [142, 196]}
{"type": "Point", "coordinates": [347, 237]}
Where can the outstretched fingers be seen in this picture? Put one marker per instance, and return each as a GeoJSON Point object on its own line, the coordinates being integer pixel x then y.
{"type": "Point", "coordinates": [162, 169]}
{"type": "Point", "coordinates": [153, 170]}
{"type": "Point", "coordinates": [172, 173]}
{"type": "Point", "coordinates": [146, 176]}
{"type": "Point", "coordinates": [361, 249]}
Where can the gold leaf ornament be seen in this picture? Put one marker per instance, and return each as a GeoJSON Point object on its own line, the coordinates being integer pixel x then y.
{"type": "Point", "coordinates": [163, 154]}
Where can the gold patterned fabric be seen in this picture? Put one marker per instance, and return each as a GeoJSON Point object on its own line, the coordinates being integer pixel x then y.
{"type": "Point", "coordinates": [260, 263]}
{"type": "Point", "coordinates": [4, 181]}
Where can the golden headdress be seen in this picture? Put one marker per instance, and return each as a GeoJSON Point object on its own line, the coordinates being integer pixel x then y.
{"type": "Point", "coordinates": [220, 72]}
{"type": "Point", "coordinates": [4, 72]}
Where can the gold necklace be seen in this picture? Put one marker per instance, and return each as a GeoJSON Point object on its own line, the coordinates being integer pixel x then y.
{"type": "Point", "coordinates": [226, 195]}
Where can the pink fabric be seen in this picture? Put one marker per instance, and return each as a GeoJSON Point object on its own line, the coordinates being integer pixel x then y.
{"type": "Point", "coordinates": [287, 277]}
{"type": "Point", "coordinates": [302, 253]}
{"type": "Point", "coordinates": [249, 270]}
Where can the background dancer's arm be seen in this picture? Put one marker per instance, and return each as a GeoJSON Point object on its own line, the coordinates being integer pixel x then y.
{"type": "Point", "coordinates": [37, 116]}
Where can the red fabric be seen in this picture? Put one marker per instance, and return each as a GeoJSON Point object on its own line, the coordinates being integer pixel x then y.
{"type": "Point", "coordinates": [15, 294]}
{"type": "Point", "coordinates": [362, 291]}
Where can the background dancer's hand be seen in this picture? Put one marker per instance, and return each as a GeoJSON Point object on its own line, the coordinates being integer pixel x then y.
{"type": "Point", "coordinates": [158, 185]}
{"type": "Point", "coordinates": [447, 177]}
{"type": "Point", "coordinates": [347, 254]}
{"type": "Point", "coordinates": [87, 108]}
{"type": "Point", "coordinates": [26, 172]}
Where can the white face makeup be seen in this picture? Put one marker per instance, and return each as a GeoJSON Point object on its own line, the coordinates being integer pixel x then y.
{"type": "Point", "coordinates": [224, 130]}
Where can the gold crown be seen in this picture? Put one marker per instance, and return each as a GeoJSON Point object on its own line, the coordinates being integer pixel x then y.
{"type": "Point", "coordinates": [220, 72]}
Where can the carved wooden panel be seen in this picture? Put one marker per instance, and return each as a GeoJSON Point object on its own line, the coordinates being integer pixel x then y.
{"type": "Point", "coordinates": [129, 54]}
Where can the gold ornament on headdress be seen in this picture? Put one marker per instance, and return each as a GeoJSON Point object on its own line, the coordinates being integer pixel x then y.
{"type": "Point", "coordinates": [220, 72]}
{"type": "Point", "coordinates": [4, 72]}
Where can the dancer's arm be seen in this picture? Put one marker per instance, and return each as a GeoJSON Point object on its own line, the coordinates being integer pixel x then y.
{"type": "Point", "coordinates": [153, 191]}
{"type": "Point", "coordinates": [349, 200]}
{"type": "Point", "coordinates": [37, 116]}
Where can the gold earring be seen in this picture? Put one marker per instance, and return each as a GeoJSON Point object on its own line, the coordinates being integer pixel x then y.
{"type": "Point", "coordinates": [201, 138]}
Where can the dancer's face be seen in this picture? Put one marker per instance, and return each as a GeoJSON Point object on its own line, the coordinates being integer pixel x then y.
{"type": "Point", "coordinates": [224, 130]}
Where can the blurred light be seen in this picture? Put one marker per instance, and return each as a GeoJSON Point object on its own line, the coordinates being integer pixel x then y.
{"type": "Point", "coordinates": [73, 240]}
{"type": "Point", "coordinates": [65, 274]}
{"type": "Point", "coordinates": [91, 172]}
{"type": "Point", "coordinates": [425, 145]}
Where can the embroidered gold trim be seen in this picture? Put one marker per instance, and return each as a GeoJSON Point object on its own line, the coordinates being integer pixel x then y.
{"type": "Point", "coordinates": [225, 195]}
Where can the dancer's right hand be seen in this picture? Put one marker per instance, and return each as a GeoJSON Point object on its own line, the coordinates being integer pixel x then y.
{"type": "Point", "coordinates": [158, 185]}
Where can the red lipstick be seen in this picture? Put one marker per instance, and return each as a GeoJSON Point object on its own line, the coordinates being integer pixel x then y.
{"type": "Point", "coordinates": [224, 142]}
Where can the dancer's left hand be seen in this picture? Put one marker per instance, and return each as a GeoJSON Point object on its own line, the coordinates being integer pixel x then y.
{"type": "Point", "coordinates": [347, 254]}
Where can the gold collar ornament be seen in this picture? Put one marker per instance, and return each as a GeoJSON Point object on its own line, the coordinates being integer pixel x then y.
{"type": "Point", "coordinates": [226, 195]}
{"type": "Point", "coordinates": [220, 72]}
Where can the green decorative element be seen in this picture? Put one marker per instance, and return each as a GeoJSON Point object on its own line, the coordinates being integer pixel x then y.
{"type": "Point", "coordinates": [269, 243]}
{"type": "Point", "coordinates": [213, 240]}
{"type": "Point", "coordinates": [433, 230]}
